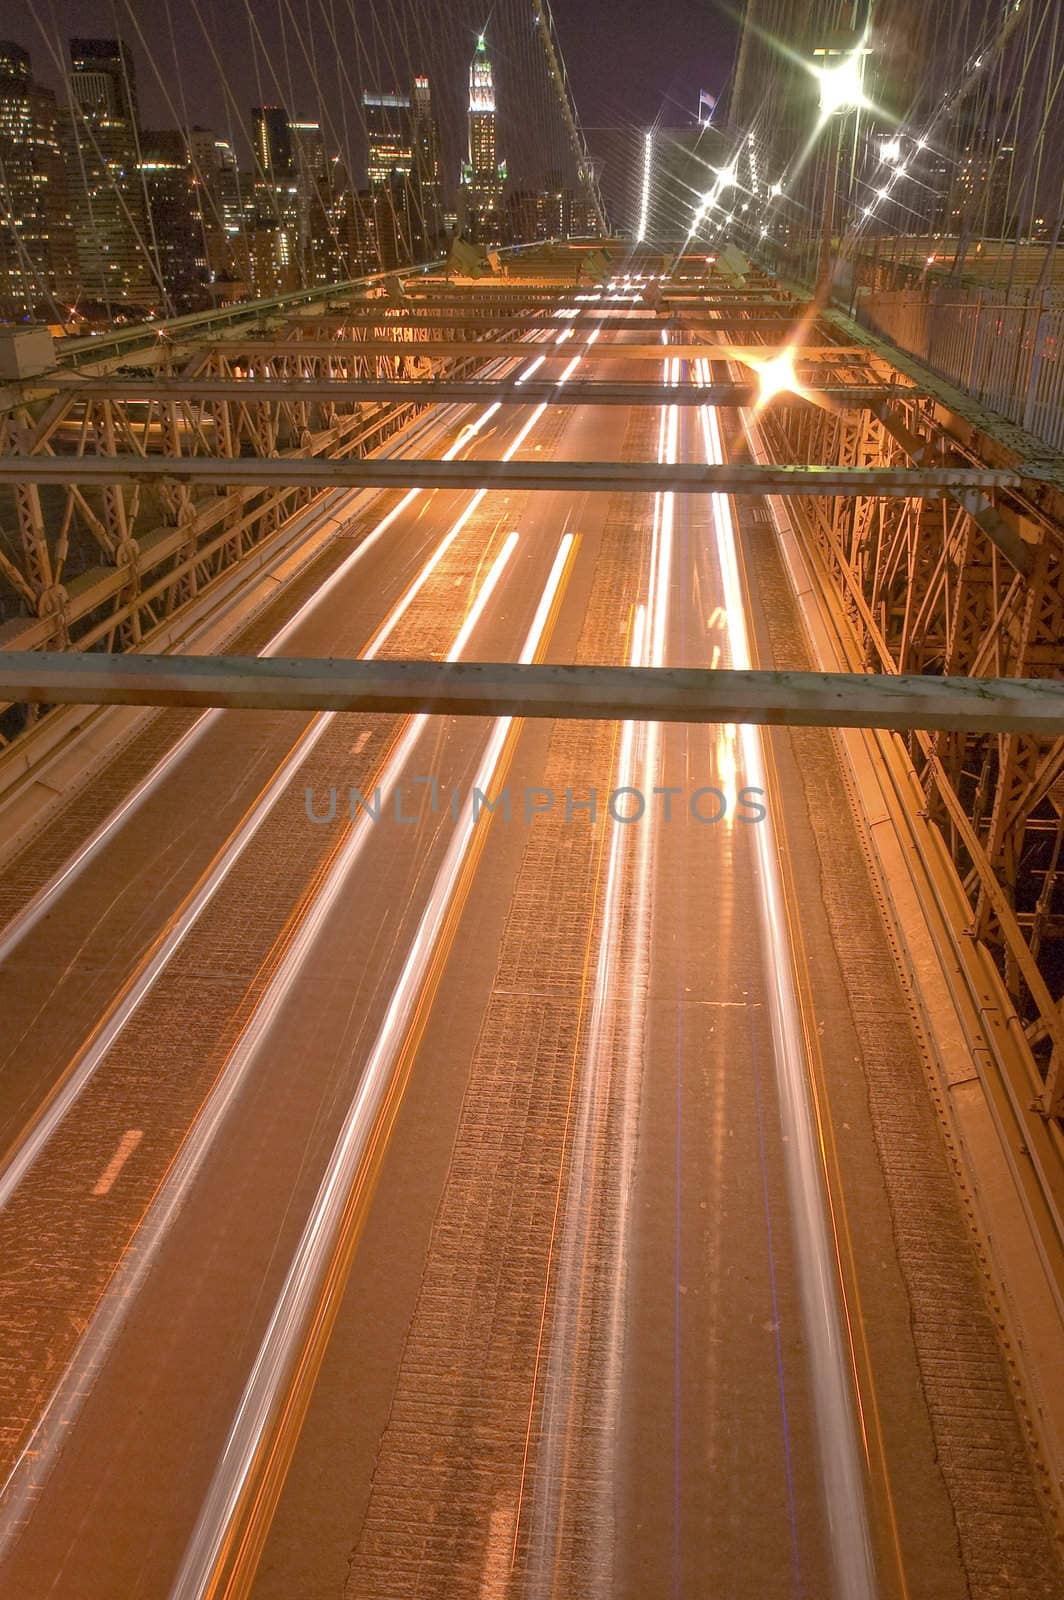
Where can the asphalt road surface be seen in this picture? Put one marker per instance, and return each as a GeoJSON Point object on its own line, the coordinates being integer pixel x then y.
{"type": "Point", "coordinates": [529, 1204]}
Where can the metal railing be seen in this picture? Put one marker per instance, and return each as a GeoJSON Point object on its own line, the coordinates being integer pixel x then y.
{"type": "Point", "coordinates": [139, 336]}
{"type": "Point", "coordinates": [1005, 349]}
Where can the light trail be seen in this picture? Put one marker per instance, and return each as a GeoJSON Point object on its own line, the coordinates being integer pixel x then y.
{"type": "Point", "coordinates": [290, 1323]}
{"type": "Point", "coordinates": [23, 1483]}
{"type": "Point", "coordinates": [848, 1531]}
{"type": "Point", "coordinates": [44, 899]}
{"type": "Point", "coordinates": [535, 366]}
{"type": "Point", "coordinates": [37, 1456]}
{"type": "Point", "coordinates": [644, 196]}
{"type": "Point", "coordinates": [57, 1107]}
{"type": "Point", "coordinates": [607, 1082]}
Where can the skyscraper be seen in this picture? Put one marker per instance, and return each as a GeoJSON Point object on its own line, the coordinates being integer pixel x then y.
{"type": "Point", "coordinates": [273, 142]}
{"type": "Point", "coordinates": [37, 263]}
{"type": "Point", "coordinates": [275, 246]}
{"type": "Point", "coordinates": [178, 235]}
{"type": "Point", "coordinates": [320, 251]}
{"type": "Point", "coordinates": [390, 171]}
{"type": "Point", "coordinates": [107, 201]}
{"type": "Point", "coordinates": [389, 135]}
{"type": "Point", "coordinates": [427, 170]}
{"type": "Point", "coordinates": [103, 79]}
{"type": "Point", "coordinates": [221, 206]}
{"type": "Point", "coordinates": [483, 174]}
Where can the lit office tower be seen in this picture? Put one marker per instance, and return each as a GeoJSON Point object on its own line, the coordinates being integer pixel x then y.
{"type": "Point", "coordinates": [388, 136]}
{"type": "Point", "coordinates": [220, 204]}
{"type": "Point", "coordinates": [37, 262]}
{"type": "Point", "coordinates": [273, 142]}
{"type": "Point", "coordinates": [483, 175]}
{"type": "Point", "coordinates": [390, 169]}
{"type": "Point", "coordinates": [316, 204]}
{"type": "Point", "coordinates": [427, 170]}
{"type": "Point", "coordinates": [309, 169]}
{"type": "Point", "coordinates": [275, 241]}
{"type": "Point", "coordinates": [106, 198]}
{"type": "Point", "coordinates": [275, 163]}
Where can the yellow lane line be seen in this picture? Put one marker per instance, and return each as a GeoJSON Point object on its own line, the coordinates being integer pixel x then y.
{"type": "Point", "coordinates": [239, 1558]}
{"type": "Point", "coordinates": [870, 1419]}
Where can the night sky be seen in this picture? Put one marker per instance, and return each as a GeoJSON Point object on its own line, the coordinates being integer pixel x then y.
{"type": "Point", "coordinates": [630, 61]}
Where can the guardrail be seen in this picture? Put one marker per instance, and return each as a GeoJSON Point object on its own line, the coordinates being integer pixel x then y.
{"type": "Point", "coordinates": [1004, 349]}
{"type": "Point", "coordinates": [141, 335]}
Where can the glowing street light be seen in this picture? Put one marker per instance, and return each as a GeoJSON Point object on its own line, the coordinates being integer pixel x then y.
{"type": "Point", "coordinates": [777, 376]}
{"type": "Point", "coordinates": [644, 201]}
{"type": "Point", "coordinates": [776, 190]}
{"type": "Point", "coordinates": [841, 89]}
{"type": "Point", "coordinates": [842, 84]}
{"type": "Point", "coordinates": [891, 151]}
{"type": "Point", "coordinates": [728, 177]}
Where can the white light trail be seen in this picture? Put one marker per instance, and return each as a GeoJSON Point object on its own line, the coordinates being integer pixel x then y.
{"type": "Point", "coordinates": [288, 1327]}
{"type": "Point", "coordinates": [607, 1080]}
{"type": "Point", "coordinates": [829, 1363]}
{"type": "Point", "coordinates": [55, 1111]}
{"type": "Point", "coordinates": [24, 1482]}
{"type": "Point", "coordinates": [35, 1460]}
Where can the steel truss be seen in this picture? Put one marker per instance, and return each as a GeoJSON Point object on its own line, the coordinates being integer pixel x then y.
{"type": "Point", "coordinates": [959, 587]}
{"type": "Point", "coordinates": [123, 498]}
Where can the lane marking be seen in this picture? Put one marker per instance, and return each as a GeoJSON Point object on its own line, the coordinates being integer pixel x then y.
{"type": "Point", "coordinates": [223, 1552]}
{"type": "Point", "coordinates": [24, 1483]}
{"type": "Point", "coordinates": [126, 1146]}
{"type": "Point", "coordinates": [64, 1093]}
{"type": "Point", "coordinates": [495, 1573]}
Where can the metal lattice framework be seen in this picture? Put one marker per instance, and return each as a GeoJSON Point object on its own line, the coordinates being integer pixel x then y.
{"type": "Point", "coordinates": [960, 587]}
{"type": "Point", "coordinates": [99, 564]}
{"type": "Point", "coordinates": [169, 459]}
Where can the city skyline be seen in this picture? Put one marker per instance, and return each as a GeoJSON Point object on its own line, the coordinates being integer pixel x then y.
{"type": "Point", "coordinates": [105, 212]}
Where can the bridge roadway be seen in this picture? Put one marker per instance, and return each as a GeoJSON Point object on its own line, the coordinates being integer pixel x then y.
{"type": "Point", "coordinates": [575, 1351]}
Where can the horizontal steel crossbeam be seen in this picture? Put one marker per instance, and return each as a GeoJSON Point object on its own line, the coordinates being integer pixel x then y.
{"type": "Point", "coordinates": [598, 350]}
{"type": "Point", "coordinates": [478, 689]}
{"type": "Point", "coordinates": [584, 392]}
{"type": "Point", "coordinates": [641, 319]}
{"type": "Point", "coordinates": [605, 477]}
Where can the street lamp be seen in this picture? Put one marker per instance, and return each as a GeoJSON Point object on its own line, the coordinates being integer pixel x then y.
{"type": "Point", "coordinates": [841, 83]}
{"type": "Point", "coordinates": [776, 376]}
